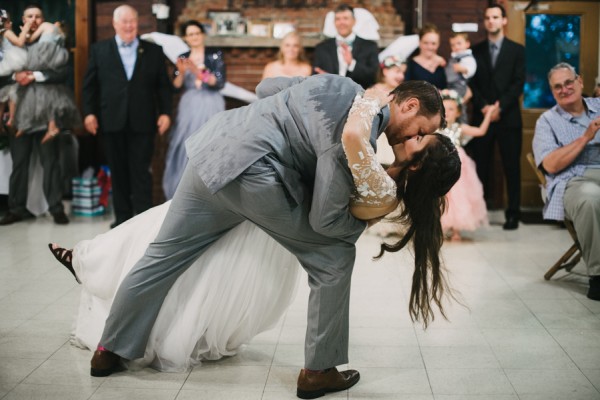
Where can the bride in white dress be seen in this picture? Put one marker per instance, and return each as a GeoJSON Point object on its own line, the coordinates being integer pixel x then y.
{"type": "Point", "coordinates": [221, 302]}
{"type": "Point", "coordinates": [244, 282]}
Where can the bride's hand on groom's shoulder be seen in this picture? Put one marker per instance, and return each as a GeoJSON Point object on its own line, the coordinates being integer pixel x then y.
{"type": "Point", "coordinates": [382, 97]}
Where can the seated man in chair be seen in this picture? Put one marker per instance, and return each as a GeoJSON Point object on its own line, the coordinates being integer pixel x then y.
{"type": "Point", "coordinates": [566, 146]}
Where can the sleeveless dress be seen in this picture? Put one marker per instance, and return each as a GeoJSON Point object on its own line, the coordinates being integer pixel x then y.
{"type": "Point", "coordinates": [14, 60]}
{"type": "Point", "coordinates": [39, 103]}
{"type": "Point", "coordinates": [415, 72]}
{"type": "Point", "coordinates": [238, 288]}
{"type": "Point", "coordinates": [466, 209]}
{"type": "Point", "coordinates": [197, 105]}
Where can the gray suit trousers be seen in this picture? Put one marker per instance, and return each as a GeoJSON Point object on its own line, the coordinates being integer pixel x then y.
{"type": "Point", "coordinates": [582, 206]}
{"type": "Point", "coordinates": [196, 219]}
{"type": "Point", "coordinates": [21, 149]}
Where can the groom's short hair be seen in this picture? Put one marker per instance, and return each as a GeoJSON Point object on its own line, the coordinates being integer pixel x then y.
{"type": "Point", "coordinates": [430, 100]}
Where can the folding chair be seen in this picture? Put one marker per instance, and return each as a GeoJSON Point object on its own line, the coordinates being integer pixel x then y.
{"type": "Point", "coordinates": [572, 256]}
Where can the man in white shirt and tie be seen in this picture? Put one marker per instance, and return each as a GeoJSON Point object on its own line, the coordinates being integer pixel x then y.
{"type": "Point", "coordinates": [500, 76]}
{"type": "Point", "coordinates": [347, 54]}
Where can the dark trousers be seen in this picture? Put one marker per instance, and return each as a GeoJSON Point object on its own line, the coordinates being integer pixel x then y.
{"type": "Point", "coordinates": [21, 149]}
{"type": "Point", "coordinates": [129, 155]}
{"type": "Point", "coordinates": [509, 143]}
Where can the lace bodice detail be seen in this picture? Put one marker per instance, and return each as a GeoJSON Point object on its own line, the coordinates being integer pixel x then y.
{"type": "Point", "coordinates": [373, 186]}
{"type": "Point", "coordinates": [454, 132]}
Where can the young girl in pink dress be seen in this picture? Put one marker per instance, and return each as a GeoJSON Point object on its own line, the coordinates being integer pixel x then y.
{"type": "Point", "coordinates": [465, 209]}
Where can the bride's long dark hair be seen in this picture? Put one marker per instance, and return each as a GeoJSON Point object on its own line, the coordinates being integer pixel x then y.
{"type": "Point", "coordinates": [422, 189]}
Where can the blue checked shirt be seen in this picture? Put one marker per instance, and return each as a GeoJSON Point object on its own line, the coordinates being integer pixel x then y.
{"type": "Point", "coordinates": [557, 128]}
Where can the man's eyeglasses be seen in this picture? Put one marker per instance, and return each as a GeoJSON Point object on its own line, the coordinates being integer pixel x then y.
{"type": "Point", "coordinates": [568, 84]}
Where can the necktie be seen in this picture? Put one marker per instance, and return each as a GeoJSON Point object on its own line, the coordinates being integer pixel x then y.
{"type": "Point", "coordinates": [346, 42]}
{"type": "Point", "coordinates": [494, 53]}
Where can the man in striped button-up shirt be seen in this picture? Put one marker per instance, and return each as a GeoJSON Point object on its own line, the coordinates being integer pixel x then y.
{"type": "Point", "coordinates": [566, 146]}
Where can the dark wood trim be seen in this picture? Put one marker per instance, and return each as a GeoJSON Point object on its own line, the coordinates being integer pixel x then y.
{"type": "Point", "coordinates": [82, 43]}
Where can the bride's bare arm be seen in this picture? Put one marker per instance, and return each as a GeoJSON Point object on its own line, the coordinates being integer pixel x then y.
{"type": "Point", "coordinates": [375, 191]}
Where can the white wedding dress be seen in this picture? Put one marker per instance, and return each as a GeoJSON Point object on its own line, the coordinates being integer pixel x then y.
{"type": "Point", "coordinates": [238, 288]}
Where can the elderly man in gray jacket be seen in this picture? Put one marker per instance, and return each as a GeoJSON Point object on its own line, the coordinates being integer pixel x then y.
{"type": "Point", "coordinates": [279, 163]}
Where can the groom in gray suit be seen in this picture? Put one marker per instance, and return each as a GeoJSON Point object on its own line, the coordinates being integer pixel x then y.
{"type": "Point", "coordinates": [279, 163]}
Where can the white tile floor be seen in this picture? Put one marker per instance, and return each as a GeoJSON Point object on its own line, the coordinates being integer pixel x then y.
{"type": "Point", "coordinates": [519, 338]}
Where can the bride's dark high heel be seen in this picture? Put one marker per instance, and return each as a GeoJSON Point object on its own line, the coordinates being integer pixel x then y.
{"type": "Point", "coordinates": [65, 257]}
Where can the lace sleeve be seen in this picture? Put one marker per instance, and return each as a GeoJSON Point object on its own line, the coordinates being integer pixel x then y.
{"type": "Point", "coordinates": [373, 186]}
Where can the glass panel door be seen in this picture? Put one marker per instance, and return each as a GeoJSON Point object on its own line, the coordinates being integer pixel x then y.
{"type": "Point", "coordinates": [549, 39]}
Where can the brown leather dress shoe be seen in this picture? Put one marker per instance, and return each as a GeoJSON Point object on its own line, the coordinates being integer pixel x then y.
{"type": "Point", "coordinates": [104, 363]}
{"type": "Point", "coordinates": [312, 384]}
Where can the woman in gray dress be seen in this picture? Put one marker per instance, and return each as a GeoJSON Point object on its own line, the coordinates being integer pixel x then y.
{"type": "Point", "coordinates": [201, 74]}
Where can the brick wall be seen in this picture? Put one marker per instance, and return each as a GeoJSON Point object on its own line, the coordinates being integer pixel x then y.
{"type": "Point", "coordinates": [245, 65]}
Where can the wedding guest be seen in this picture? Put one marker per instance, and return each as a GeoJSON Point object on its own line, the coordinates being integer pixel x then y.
{"type": "Point", "coordinates": [500, 76]}
{"type": "Point", "coordinates": [427, 65]}
{"type": "Point", "coordinates": [466, 209]}
{"type": "Point", "coordinates": [291, 60]}
{"type": "Point", "coordinates": [566, 146]}
{"type": "Point", "coordinates": [125, 86]}
{"type": "Point", "coordinates": [461, 66]}
{"type": "Point", "coordinates": [347, 54]}
{"type": "Point", "coordinates": [61, 113]}
{"type": "Point", "coordinates": [201, 75]}
{"type": "Point", "coordinates": [39, 87]}
{"type": "Point", "coordinates": [14, 58]}
{"type": "Point", "coordinates": [389, 76]}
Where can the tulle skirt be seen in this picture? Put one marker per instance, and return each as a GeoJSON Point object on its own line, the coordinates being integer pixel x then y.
{"type": "Point", "coordinates": [15, 59]}
{"type": "Point", "coordinates": [238, 288]}
{"type": "Point", "coordinates": [466, 210]}
{"type": "Point", "coordinates": [47, 55]}
{"type": "Point", "coordinates": [37, 104]}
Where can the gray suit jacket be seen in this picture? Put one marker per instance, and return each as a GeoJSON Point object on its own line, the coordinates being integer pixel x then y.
{"type": "Point", "coordinates": [297, 128]}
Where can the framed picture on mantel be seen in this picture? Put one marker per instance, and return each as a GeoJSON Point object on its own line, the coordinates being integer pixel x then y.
{"type": "Point", "coordinates": [224, 22]}
{"type": "Point", "coordinates": [259, 28]}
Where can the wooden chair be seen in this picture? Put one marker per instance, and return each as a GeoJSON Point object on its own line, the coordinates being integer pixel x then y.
{"type": "Point", "coordinates": [572, 256]}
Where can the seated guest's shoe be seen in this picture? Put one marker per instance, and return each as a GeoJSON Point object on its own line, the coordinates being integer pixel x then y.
{"type": "Point", "coordinates": [105, 362]}
{"type": "Point", "coordinates": [594, 290]}
{"type": "Point", "coordinates": [315, 384]}
{"type": "Point", "coordinates": [60, 218]}
{"type": "Point", "coordinates": [10, 218]}
{"type": "Point", "coordinates": [511, 224]}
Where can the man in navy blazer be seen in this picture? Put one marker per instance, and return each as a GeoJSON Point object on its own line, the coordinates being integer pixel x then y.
{"type": "Point", "coordinates": [127, 96]}
{"type": "Point", "coordinates": [500, 76]}
{"type": "Point", "coordinates": [347, 54]}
